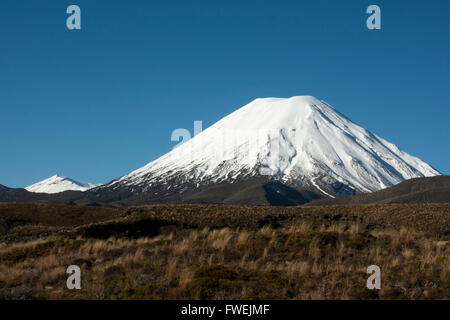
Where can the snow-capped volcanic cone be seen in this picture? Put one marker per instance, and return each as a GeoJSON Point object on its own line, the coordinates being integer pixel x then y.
{"type": "Point", "coordinates": [301, 142]}
{"type": "Point", "coordinates": [56, 184]}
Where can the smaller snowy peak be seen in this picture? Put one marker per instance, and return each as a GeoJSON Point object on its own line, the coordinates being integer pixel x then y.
{"type": "Point", "coordinates": [56, 184]}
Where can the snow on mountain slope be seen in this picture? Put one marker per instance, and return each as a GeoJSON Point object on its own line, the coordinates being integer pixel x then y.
{"type": "Point", "coordinates": [56, 184]}
{"type": "Point", "coordinates": [299, 141]}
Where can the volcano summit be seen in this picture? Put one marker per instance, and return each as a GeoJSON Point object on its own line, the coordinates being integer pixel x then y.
{"type": "Point", "coordinates": [283, 145]}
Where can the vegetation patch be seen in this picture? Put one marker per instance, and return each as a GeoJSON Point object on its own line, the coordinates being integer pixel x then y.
{"type": "Point", "coordinates": [225, 252]}
{"type": "Point", "coordinates": [215, 281]}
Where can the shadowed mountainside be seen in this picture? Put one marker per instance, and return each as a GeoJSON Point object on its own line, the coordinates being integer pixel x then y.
{"type": "Point", "coordinates": [419, 190]}
{"type": "Point", "coordinates": [22, 195]}
{"type": "Point", "coordinates": [253, 192]}
{"type": "Point", "coordinates": [256, 192]}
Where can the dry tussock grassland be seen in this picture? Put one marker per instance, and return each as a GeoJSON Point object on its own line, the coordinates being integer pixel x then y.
{"type": "Point", "coordinates": [282, 253]}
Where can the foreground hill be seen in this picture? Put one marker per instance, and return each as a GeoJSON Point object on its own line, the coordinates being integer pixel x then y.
{"type": "Point", "coordinates": [32, 221]}
{"type": "Point", "coordinates": [419, 190]}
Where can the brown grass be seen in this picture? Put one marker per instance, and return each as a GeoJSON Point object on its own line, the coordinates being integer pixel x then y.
{"type": "Point", "coordinates": [318, 253]}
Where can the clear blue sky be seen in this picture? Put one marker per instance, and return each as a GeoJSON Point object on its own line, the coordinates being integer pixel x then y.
{"type": "Point", "coordinates": [97, 103]}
